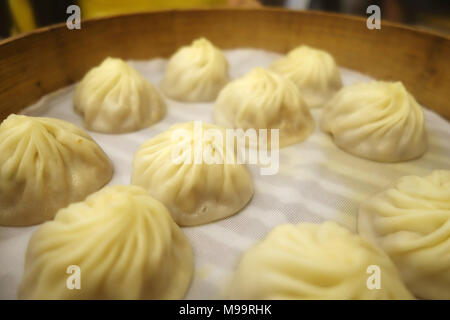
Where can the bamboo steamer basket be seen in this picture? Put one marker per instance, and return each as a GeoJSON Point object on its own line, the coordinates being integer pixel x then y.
{"type": "Point", "coordinates": [37, 63]}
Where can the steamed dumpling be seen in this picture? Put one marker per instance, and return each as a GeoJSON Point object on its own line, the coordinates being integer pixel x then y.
{"type": "Point", "coordinates": [262, 99]}
{"type": "Point", "coordinates": [311, 261]}
{"type": "Point", "coordinates": [411, 222]}
{"type": "Point", "coordinates": [195, 73]}
{"type": "Point", "coordinates": [313, 71]}
{"type": "Point", "coordinates": [377, 120]}
{"type": "Point", "coordinates": [196, 190]}
{"type": "Point", "coordinates": [115, 98]}
{"type": "Point", "coordinates": [45, 165]}
{"type": "Point", "coordinates": [124, 242]}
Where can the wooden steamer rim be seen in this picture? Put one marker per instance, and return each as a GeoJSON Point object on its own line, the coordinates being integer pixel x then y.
{"type": "Point", "coordinates": [35, 64]}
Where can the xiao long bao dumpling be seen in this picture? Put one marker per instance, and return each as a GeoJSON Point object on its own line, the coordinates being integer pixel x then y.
{"type": "Point", "coordinates": [196, 191]}
{"type": "Point", "coordinates": [262, 99]}
{"type": "Point", "coordinates": [115, 98]}
{"type": "Point", "coordinates": [314, 72]}
{"type": "Point", "coordinates": [411, 221]}
{"type": "Point", "coordinates": [124, 242]}
{"type": "Point", "coordinates": [315, 261]}
{"type": "Point", "coordinates": [195, 73]}
{"type": "Point", "coordinates": [45, 165]}
{"type": "Point", "coordinates": [378, 120]}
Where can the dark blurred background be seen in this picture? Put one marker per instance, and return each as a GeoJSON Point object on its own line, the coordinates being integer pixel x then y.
{"type": "Point", "coordinates": [17, 16]}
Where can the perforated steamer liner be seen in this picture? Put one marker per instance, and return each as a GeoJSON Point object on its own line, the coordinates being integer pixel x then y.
{"type": "Point", "coordinates": [316, 180]}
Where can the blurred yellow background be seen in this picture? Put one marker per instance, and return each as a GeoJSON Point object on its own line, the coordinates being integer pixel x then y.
{"type": "Point", "coordinates": [18, 16]}
{"type": "Point", "coordinates": [23, 12]}
{"type": "Point", "coordinates": [96, 8]}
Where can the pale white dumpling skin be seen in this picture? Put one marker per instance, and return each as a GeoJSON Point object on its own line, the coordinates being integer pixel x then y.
{"type": "Point", "coordinates": [314, 72]}
{"type": "Point", "coordinates": [196, 192]}
{"type": "Point", "coordinates": [124, 242]}
{"type": "Point", "coordinates": [379, 121]}
{"type": "Point", "coordinates": [262, 99]}
{"type": "Point", "coordinates": [410, 220]}
{"type": "Point", "coordinates": [115, 98]}
{"type": "Point", "coordinates": [45, 165]}
{"type": "Point", "coordinates": [195, 73]}
{"type": "Point", "coordinates": [314, 261]}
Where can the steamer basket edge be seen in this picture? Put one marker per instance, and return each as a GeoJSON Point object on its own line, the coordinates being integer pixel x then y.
{"type": "Point", "coordinates": [47, 59]}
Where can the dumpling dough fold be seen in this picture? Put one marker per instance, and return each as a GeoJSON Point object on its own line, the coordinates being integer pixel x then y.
{"type": "Point", "coordinates": [314, 72]}
{"type": "Point", "coordinates": [45, 165]}
{"type": "Point", "coordinates": [377, 120]}
{"type": "Point", "coordinates": [195, 73]}
{"type": "Point", "coordinates": [315, 261]}
{"type": "Point", "coordinates": [410, 220]}
{"type": "Point", "coordinates": [124, 243]}
{"type": "Point", "coordinates": [196, 191]}
{"type": "Point", "coordinates": [115, 98]}
{"type": "Point", "coordinates": [262, 99]}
